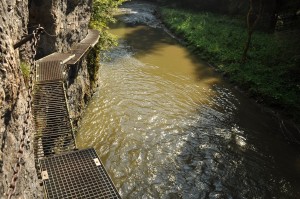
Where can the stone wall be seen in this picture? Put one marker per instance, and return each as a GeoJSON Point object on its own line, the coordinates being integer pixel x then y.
{"type": "Point", "coordinates": [66, 23]}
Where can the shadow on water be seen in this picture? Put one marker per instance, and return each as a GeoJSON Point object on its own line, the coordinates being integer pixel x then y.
{"type": "Point", "coordinates": [141, 37]}
{"type": "Point", "coordinates": [224, 157]}
{"type": "Point", "coordinates": [149, 41]}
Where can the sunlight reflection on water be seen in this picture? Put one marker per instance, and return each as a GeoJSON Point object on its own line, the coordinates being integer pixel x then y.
{"type": "Point", "coordinates": [164, 132]}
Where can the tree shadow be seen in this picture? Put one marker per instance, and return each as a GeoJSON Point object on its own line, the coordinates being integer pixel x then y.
{"type": "Point", "coordinates": [144, 40]}
{"type": "Point", "coordinates": [232, 152]}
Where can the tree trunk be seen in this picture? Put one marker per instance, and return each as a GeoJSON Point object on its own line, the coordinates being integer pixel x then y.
{"type": "Point", "coordinates": [247, 45]}
{"type": "Point", "coordinates": [252, 19]}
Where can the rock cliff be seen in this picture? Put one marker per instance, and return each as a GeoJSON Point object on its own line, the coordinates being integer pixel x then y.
{"type": "Point", "coordinates": [66, 23]}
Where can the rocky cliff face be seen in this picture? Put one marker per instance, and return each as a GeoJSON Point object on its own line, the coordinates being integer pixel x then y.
{"type": "Point", "coordinates": [15, 109]}
{"type": "Point", "coordinates": [79, 90]}
{"type": "Point", "coordinates": [66, 23]}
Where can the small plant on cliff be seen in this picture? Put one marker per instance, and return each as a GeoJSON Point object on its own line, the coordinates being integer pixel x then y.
{"type": "Point", "coordinates": [102, 15]}
{"type": "Point", "coordinates": [25, 69]}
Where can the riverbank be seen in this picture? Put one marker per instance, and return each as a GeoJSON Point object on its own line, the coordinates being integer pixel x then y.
{"type": "Point", "coordinates": [270, 73]}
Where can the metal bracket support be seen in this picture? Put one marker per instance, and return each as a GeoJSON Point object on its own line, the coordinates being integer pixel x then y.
{"type": "Point", "coordinates": [45, 175]}
{"type": "Point", "coordinates": [97, 162]}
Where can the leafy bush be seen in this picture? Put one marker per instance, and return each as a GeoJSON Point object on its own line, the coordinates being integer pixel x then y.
{"type": "Point", "coordinates": [102, 15]}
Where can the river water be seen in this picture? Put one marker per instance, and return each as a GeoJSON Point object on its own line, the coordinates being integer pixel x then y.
{"type": "Point", "coordinates": [167, 126]}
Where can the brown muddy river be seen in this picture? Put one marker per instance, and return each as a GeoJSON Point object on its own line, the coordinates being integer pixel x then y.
{"type": "Point", "coordinates": [167, 126]}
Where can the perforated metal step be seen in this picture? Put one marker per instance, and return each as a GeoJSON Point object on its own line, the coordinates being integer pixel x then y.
{"type": "Point", "coordinates": [54, 133]}
{"type": "Point", "coordinates": [78, 174]}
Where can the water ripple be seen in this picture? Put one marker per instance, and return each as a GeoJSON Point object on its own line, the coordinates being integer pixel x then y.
{"type": "Point", "coordinates": [168, 136]}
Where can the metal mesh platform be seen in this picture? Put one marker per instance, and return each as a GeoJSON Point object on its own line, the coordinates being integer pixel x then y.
{"type": "Point", "coordinates": [78, 174]}
{"type": "Point", "coordinates": [92, 38]}
{"type": "Point", "coordinates": [62, 57]}
{"type": "Point", "coordinates": [49, 71]}
{"type": "Point", "coordinates": [54, 133]}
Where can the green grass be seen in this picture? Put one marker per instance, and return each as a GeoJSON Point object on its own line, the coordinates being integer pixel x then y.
{"type": "Point", "coordinates": [271, 70]}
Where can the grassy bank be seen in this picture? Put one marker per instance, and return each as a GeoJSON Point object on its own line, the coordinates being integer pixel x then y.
{"type": "Point", "coordinates": [271, 73]}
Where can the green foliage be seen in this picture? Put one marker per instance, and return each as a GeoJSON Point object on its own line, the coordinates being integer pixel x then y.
{"type": "Point", "coordinates": [269, 73]}
{"type": "Point", "coordinates": [102, 15]}
{"type": "Point", "coordinates": [25, 69]}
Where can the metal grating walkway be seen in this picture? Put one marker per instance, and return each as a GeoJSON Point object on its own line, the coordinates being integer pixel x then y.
{"type": "Point", "coordinates": [54, 133]}
{"type": "Point", "coordinates": [66, 172]}
{"type": "Point", "coordinates": [78, 174]}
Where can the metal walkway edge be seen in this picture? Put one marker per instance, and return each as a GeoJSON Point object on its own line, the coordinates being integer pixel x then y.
{"type": "Point", "coordinates": [66, 172]}
{"type": "Point", "coordinates": [80, 49]}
